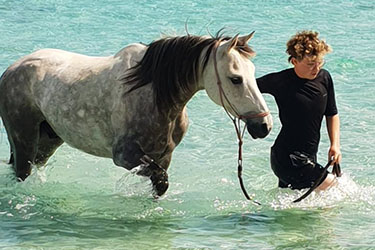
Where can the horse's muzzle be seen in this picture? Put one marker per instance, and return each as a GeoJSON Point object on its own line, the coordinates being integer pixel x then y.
{"type": "Point", "coordinates": [260, 127]}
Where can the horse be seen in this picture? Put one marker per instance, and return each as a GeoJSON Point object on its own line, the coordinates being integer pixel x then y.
{"type": "Point", "coordinates": [130, 106]}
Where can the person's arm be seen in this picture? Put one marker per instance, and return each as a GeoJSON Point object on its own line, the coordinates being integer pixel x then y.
{"type": "Point", "coordinates": [333, 128]}
{"type": "Point", "coordinates": [268, 83]}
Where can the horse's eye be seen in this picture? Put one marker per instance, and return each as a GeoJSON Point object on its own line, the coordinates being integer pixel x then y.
{"type": "Point", "coordinates": [236, 80]}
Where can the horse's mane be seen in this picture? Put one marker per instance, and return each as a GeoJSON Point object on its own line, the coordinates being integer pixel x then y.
{"type": "Point", "coordinates": [171, 64]}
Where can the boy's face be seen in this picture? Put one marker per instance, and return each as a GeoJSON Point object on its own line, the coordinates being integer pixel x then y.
{"type": "Point", "coordinates": [308, 67]}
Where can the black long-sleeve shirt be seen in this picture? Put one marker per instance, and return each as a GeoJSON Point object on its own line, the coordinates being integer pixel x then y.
{"type": "Point", "coordinates": [302, 104]}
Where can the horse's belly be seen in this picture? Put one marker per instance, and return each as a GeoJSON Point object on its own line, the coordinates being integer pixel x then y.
{"type": "Point", "coordinates": [79, 114]}
{"type": "Point", "coordinates": [93, 143]}
{"type": "Point", "coordinates": [84, 133]}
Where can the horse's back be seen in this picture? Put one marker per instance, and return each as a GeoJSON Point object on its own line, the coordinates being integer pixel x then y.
{"type": "Point", "coordinates": [48, 74]}
{"type": "Point", "coordinates": [69, 64]}
{"type": "Point", "coordinates": [73, 92]}
{"type": "Point", "coordinates": [44, 64]}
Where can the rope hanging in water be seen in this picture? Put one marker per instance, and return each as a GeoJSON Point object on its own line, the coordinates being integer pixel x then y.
{"type": "Point", "coordinates": [240, 134]}
{"type": "Point", "coordinates": [239, 169]}
{"type": "Point", "coordinates": [237, 125]}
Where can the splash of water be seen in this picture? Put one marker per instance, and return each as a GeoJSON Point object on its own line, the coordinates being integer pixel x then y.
{"type": "Point", "coordinates": [131, 184]}
{"type": "Point", "coordinates": [346, 190]}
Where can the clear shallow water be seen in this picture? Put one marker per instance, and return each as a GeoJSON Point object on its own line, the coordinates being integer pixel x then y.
{"type": "Point", "coordinates": [79, 201]}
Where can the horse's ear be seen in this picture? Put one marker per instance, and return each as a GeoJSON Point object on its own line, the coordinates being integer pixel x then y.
{"type": "Point", "coordinates": [246, 39]}
{"type": "Point", "coordinates": [232, 43]}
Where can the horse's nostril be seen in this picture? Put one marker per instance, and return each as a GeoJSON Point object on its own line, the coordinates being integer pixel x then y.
{"type": "Point", "coordinates": [264, 128]}
{"type": "Point", "coordinates": [258, 130]}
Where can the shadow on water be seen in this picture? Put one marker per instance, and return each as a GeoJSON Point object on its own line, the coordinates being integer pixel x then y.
{"type": "Point", "coordinates": [63, 230]}
{"type": "Point", "coordinates": [69, 218]}
{"type": "Point", "coordinates": [283, 229]}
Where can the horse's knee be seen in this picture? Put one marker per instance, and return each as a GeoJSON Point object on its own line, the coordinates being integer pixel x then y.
{"type": "Point", "coordinates": [127, 154]}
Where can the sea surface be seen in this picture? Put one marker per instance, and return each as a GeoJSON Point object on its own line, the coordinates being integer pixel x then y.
{"type": "Point", "coordinates": [79, 201]}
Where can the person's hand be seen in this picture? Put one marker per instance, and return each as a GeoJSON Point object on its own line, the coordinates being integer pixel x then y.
{"type": "Point", "coordinates": [335, 154]}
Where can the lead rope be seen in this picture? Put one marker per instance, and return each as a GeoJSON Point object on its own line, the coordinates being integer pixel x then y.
{"type": "Point", "coordinates": [237, 126]}
{"type": "Point", "coordinates": [336, 170]}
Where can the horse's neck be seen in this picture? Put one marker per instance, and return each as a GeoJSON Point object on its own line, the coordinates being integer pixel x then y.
{"type": "Point", "coordinates": [185, 97]}
{"type": "Point", "coordinates": [180, 108]}
{"type": "Point", "coordinates": [132, 54]}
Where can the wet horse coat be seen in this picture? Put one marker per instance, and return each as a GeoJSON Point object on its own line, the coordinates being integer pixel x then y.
{"type": "Point", "coordinates": [130, 107]}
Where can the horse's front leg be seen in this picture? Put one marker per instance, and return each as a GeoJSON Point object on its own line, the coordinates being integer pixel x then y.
{"type": "Point", "coordinates": [157, 174]}
{"type": "Point", "coordinates": [128, 154]}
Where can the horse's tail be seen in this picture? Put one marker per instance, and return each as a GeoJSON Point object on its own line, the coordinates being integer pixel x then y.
{"type": "Point", "coordinates": [2, 126]}
{"type": "Point", "coordinates": [2, 136]}
{"type": "Point", "coordinates": [2, 140]}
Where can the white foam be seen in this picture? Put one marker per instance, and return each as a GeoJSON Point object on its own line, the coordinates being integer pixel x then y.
{"type": "Point", "coordinates": [131, 184]}
{"type": "Point", "coordinates": [346, 190]}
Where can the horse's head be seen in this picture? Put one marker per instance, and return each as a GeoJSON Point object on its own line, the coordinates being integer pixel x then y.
{"type": "Point", "coordinates": [229, 80]}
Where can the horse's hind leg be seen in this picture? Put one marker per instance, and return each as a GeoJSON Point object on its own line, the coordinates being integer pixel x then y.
{"type": "Point", "coordinates": [21, 117]}
{"type": "Point", "coordinates": [23, 135]}
{"type": "Point", "coordinates": [49, 141]}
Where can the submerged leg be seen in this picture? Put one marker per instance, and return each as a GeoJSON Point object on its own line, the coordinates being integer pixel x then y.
{"type": "Point", "coordinates": [158, 175]}
{"type": "Point", "coordinates": [25, 149]}
{"type": "Point", "coordinates": [128, 154]}
{"type": "Point", "coordinates": [328, 182]}
{"type": "Point", "coordinates": [23, 134]}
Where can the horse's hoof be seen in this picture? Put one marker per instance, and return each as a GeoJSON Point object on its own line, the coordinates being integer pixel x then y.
{"type": "Point", "coordinates": [157, 174]}
{"type": "Point", "coordinates": [22, 176]}
{"type": "Point", "coordinates": [160, 188]}
{"type": "Point", "coordinates": [160, 183]}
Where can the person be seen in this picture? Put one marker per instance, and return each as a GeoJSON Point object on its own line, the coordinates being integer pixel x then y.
{"type": "Point", "coordinates": [303, 94]}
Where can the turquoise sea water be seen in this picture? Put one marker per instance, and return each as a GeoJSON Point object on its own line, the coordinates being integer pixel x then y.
{"type": "Point", "coordinates": [80, 201]}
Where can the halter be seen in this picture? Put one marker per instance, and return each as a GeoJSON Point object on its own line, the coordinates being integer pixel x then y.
{"type": "Point", "coordinates": [236, 121]}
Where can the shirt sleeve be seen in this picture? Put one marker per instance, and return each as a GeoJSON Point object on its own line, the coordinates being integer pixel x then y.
{"type": "Point", "coordinates": [331, 108]}
{"type": "Point", "coordinates": [267, 83]}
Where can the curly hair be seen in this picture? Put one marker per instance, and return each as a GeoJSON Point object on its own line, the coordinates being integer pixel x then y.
{"type": "Point", "coordinates": [306, 43]}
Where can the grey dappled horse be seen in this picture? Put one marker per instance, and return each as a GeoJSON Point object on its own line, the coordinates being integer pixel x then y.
{"type": "Point", "coordinates": [130, 107]}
